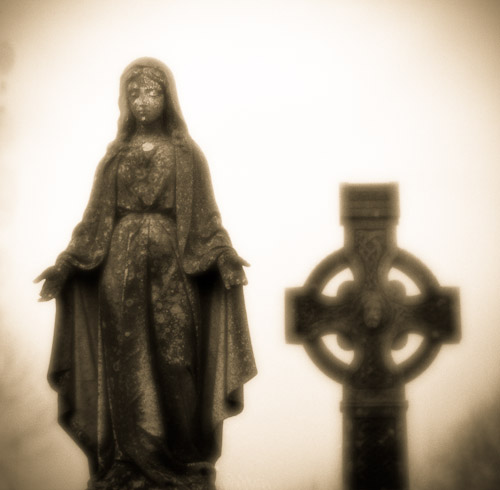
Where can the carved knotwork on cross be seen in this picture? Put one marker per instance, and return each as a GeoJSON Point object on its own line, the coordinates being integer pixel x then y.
{"type": "Point", "coordinates": [372, 315]}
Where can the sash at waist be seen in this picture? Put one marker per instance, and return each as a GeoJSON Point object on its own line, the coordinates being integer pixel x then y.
{"type": "Point", "coordinates": [152, 226]}
{"type": "Point", "coordinates": [165, 213]}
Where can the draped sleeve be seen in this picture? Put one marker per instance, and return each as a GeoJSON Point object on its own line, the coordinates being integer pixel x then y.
{"type": "Point", "coordinates": [91, 237]}
{"type": "Point", "coordinates": [201, 236]}
{"type": "Point", "coordinates": [227, 355]}
{"type": "Point", "coordinates": [74, 365]}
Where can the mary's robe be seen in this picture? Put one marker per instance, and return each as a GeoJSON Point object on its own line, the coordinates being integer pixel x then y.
{"type": "Point", "coordinates": [226, 360]}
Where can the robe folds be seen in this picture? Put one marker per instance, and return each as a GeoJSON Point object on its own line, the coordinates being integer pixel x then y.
{"type": "Point", "coordinates": [78, 370]}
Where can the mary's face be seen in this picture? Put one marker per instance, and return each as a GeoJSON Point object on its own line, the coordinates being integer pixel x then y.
{"type": "Point", "coordinates": [145, 98]}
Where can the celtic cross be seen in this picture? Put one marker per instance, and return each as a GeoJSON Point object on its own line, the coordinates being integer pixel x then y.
{"type": "Point", "coordinates": [372, 315]}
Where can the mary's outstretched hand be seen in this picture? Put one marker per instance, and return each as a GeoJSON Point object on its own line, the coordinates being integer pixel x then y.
{"type": "Point", "coordinates": [231, 269]}
{"type": "Point", "coordinates": [54, 277]}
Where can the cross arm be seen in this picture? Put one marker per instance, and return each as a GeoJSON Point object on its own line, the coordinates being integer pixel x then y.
{"type": "Point", "coordinates": [436, 317]}
{"type": "Point", "coordinates": [310, 315]}
{"type": "Point", "coordinates": [434, 314]}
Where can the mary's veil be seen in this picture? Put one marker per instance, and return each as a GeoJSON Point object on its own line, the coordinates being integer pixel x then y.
{"type": "Point", "coordinates": [173, 121]}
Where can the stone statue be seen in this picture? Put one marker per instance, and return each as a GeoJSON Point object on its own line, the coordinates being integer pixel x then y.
{"type": "Point", "coordinates": [151, 345]}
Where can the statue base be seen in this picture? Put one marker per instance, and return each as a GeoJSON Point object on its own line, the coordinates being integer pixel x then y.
{"type": "Point", "coordinates": [125, 476]}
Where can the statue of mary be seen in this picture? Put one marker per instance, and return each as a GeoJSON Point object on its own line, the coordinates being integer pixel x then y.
{"type": "Point", "coordinates": [151, 345]}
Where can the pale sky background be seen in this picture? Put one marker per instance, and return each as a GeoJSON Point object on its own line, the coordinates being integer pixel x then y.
{"type": "Point", "coordinates": [287, 99]}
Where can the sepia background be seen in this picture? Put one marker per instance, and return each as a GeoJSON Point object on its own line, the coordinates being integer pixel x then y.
{"type": "Point", "coordinates": [287, 99]}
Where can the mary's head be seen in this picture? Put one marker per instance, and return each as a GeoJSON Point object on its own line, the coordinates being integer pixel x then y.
{"type": "Point", "coordinates": [148, 95]}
